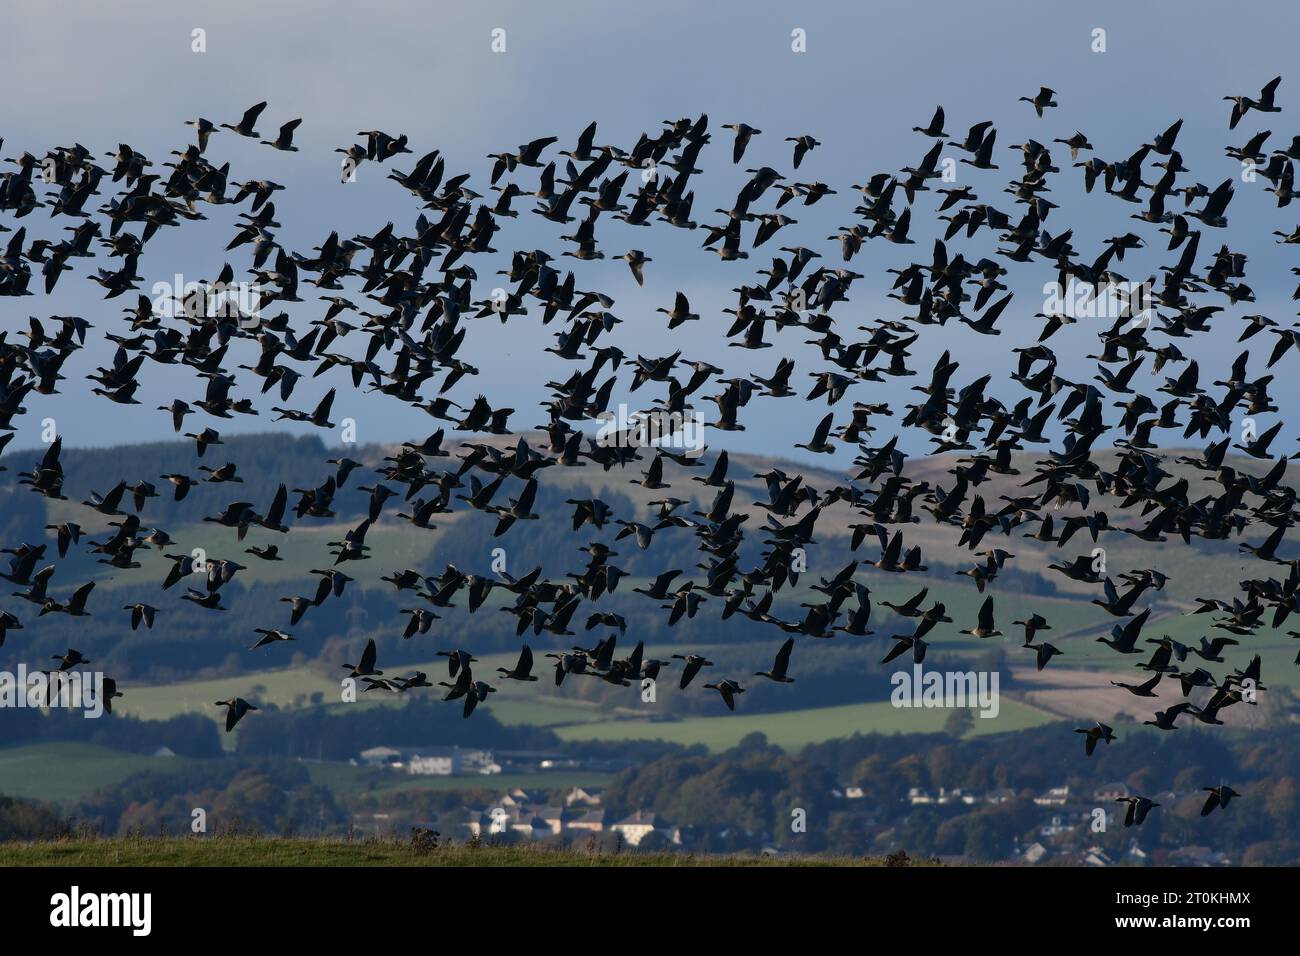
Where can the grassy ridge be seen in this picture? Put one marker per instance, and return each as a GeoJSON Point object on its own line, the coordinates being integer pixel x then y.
{"type": "Point", "coordinates": [293, 851]}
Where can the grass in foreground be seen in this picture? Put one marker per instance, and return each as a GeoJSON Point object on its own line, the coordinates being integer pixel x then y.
{"type": "Point", "coordinates": [228, 850]}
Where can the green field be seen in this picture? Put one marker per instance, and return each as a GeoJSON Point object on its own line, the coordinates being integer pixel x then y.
{"type": "Point", "coordinates": [794, 729]}
{"type": "Point", "coordinates": [289, 687]}
{"type": "Point", "coordinates": [67, 771]}
{"type": "Point", "coordinates": [582, 720]}
{"type": "Point", "coordinates": [532, 704]}
{"type": "Point", "coordinates": [305, 548]}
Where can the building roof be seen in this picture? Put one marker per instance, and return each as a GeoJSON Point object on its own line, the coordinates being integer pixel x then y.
{"type": "Point", "coordinates": [420, 750]}
{"type": "Point", "coordinates": [642, 818]}
{"type": "Point", "coordinates": [1119, 788]}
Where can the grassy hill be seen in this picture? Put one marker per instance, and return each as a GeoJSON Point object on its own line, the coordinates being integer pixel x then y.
{"type": "Point", "coordinates": [194, 657]}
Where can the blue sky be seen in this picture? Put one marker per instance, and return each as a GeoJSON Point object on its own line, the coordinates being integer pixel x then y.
{"type": "Point", "coordinates": [97, 74]}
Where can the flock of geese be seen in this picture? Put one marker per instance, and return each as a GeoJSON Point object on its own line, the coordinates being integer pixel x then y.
{"type": "Point", "coordinates": [407, 295]}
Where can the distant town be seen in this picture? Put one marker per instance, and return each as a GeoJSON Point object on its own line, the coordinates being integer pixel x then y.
{"type": "Point", "coordinates": [1067, 819]}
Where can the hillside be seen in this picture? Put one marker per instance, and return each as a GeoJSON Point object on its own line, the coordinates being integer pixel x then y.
{"type": "Point", "coordinates": [194, 656]}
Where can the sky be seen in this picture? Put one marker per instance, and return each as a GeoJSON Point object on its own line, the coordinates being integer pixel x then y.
{"type": "Point", "coordinates": [103, 73]}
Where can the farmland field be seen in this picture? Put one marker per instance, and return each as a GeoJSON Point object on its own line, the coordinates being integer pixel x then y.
{"type": "Point", "coordinates": [68, 771]}
{"type": "Point", "coordinates": [792, 730]}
